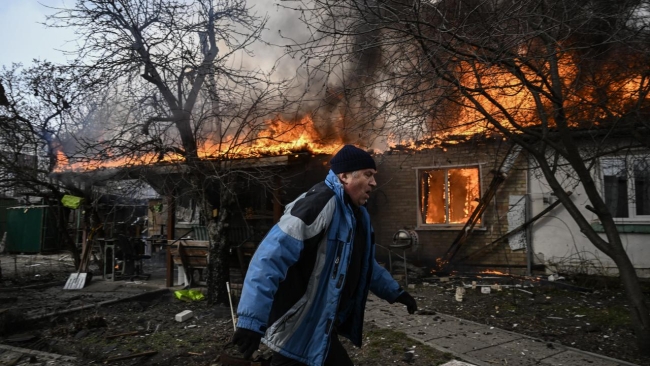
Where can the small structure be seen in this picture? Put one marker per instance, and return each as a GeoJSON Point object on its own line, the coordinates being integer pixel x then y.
{"type": "Point", "coordinates": [32, 229]}
{"type": "Point", "coordinates": [173, 221]}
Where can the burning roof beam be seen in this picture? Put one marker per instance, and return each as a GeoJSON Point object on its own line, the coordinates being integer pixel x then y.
{"type": "Point", "coordinates": [164, 169]}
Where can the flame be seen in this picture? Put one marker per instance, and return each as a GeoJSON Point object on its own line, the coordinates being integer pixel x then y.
{"type": "Point", "coordinates": [278, 137]}
{"type": "Point", "coordinates": [440, 263]}
{"type": "Point", "coordinates": [124, 161]}
{"type": "Point", "coordinates": [454, 189]}
{"type": "Point", "coordinates": [490, 271]}
{"type": "Point", "coordinates": [282, 137]}
{"type": "Point", "coordinates": [61, 159]}
{"type": "Point", "coordinates": [505, 98]}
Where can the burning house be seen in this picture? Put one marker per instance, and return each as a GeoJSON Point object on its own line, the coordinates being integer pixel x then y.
{"type": "Point", "coordinates": [457, 197]}
{"type": "Point", "coordinates": [476, 204]}
{"type": "Point", "coordinates": [262, 179]}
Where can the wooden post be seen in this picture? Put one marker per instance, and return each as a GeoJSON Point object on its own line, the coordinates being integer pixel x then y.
{"type": "Point", "coordinates": [277, 202]}
{"type": "Point", "coordinates": [171, 215]}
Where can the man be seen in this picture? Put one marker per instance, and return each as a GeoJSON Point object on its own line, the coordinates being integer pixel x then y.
{"type": "Point", "coordinates": [309, 278]}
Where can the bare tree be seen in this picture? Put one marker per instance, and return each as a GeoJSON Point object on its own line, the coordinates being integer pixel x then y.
{"type": "Point", "coordinates": [39, 104]}
{"type": "Point", "coordinates": [565, 80]}
{"type": "Point", "coordinates": [184, 92]}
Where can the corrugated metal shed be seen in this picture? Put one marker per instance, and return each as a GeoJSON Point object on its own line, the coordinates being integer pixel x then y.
{"type": "Point", "coordinates": [31, 229]}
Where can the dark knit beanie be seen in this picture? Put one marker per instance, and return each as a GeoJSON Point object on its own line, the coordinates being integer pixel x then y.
{"type": "Point", "coordinates": [350, 158]}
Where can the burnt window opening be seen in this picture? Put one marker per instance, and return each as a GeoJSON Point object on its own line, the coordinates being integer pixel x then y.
{"type": "Point", "coordinates": [626, 186]}
{"type": "Point", "coordinates": [448, 195]}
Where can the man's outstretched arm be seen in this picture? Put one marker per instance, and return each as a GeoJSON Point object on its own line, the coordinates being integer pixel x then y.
{"type": "Point", "coordinates": [384, 285]}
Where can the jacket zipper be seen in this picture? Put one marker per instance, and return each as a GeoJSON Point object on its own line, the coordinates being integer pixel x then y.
{"type": "Point", "coordinates": [339, 251]}
{"type": "Point", "coordinates": [337, 260]}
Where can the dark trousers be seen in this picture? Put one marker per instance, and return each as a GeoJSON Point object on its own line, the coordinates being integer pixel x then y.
{"type": "Point", "coordinates": [336, 356]}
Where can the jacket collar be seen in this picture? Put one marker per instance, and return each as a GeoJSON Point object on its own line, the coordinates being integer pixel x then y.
{"type": "Point", "coordinates": [334, 183]}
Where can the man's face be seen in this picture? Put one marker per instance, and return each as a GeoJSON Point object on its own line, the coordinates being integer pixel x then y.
{"type": "Point", "coordinates": [358, 185]}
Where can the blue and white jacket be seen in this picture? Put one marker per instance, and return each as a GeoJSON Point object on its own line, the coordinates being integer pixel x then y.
{"type": "Point", "coordinates": [293, 285]}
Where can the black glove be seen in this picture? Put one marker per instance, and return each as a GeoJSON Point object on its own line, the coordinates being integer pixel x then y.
{"type": "Point", "coordinates": [408, 300]}
{"type": "Point", "coordinates": [247, 341]}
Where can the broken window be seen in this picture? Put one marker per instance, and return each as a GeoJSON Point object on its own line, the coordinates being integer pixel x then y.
{"type": "Point", "coordinates": [448, 195]}
{"type": "Point", "coordinates": [626, 186]}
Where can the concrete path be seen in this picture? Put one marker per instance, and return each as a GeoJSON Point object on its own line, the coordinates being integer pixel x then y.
{"type": "Point", "coordinates": [23, 357]}
{"type": "Point", "coordinates": [479, 344]}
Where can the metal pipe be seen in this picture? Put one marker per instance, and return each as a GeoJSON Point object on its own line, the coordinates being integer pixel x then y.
{"type": "Point", "coordinates": [232, 313]}
{"type": "Point", "coordinates": [406, 271]}
{"type": "Point", "coordinates": [529, 228]}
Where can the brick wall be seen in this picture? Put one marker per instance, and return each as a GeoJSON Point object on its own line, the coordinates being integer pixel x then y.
{"type": "Point", "coordinates": [394, 205]}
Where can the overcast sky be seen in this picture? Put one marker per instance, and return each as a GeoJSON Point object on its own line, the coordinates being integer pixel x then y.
{"type": "Point", "coordinates": [23, 38]}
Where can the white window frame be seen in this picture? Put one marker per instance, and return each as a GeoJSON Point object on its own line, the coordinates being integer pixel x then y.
{"type": "Point", "coordinates": [444, 226]}
{"type": "Point", "coordinates": [631, 189]}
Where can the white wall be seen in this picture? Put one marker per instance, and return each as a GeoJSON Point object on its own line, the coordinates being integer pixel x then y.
{"type": "Point", "coordinates": [557, 239]}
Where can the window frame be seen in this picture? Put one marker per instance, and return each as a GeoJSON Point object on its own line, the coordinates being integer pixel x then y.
{"type": "Point", "coordinates": [628, 161]}
{"type": "Point", "coordinates": [444, 226]}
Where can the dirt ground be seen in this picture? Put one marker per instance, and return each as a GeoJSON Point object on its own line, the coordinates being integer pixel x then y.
{"type": "Point", "coordinates": [117, 332]}
{"type": "Point", "coordinates": [588, 314]}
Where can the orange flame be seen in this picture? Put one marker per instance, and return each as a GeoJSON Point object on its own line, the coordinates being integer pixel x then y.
{"type": "Point", "coordinates": [61, 159]}
{"type": "Point", "coordinates": [440, 263]}
{"type": "Point", "coordinates": [279, 137]}
{"type": "Point", "coordinates": [452, 192]}
{"type": "Point", "coordinates": [508, 100]}
{"type": "Point", "coordinates": [490, 271]}
{"type": "Point", "coordinates": [503, 97]}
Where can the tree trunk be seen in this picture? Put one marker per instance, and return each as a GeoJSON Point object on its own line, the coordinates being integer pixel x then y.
{"type": "Point", "coordinates": [639, 311]}
{"type": "Point", "coordinates": [218, 260]}
{"type": "Point", "coordinates": [63, 234]}
{"type": "Point", "coordinates": [612, 247]}
{"type": "Point", "coordinates": [95, 229]}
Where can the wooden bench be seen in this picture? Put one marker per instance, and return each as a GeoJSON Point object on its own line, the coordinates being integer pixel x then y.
{"type": "Point", "coordinates": [192, 255]}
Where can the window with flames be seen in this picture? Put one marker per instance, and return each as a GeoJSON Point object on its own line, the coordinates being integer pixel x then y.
{"type": "Point", "coordinates": [447, 196]}
{"type": "Point", "coordinates": [626, 186]}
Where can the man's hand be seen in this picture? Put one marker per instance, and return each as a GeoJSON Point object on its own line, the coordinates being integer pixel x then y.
{"type": "Point", "coordinates": [408, 300]}
{"type": "Point", "coordinates": [247, 341]}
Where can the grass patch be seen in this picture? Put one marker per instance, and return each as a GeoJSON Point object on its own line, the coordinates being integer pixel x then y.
{"type": "Point", "coordinates": [381, 345]}
{"type": "Point", "coordinates": [618, 316]}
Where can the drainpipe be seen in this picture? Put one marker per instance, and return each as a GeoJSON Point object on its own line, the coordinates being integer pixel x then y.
{"type": "Point", "coordinates": [171, 215]}
{"type": "Point", "coordinates": [529, 227]}
{"type": "Point", "coordinates": [277, 200]}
